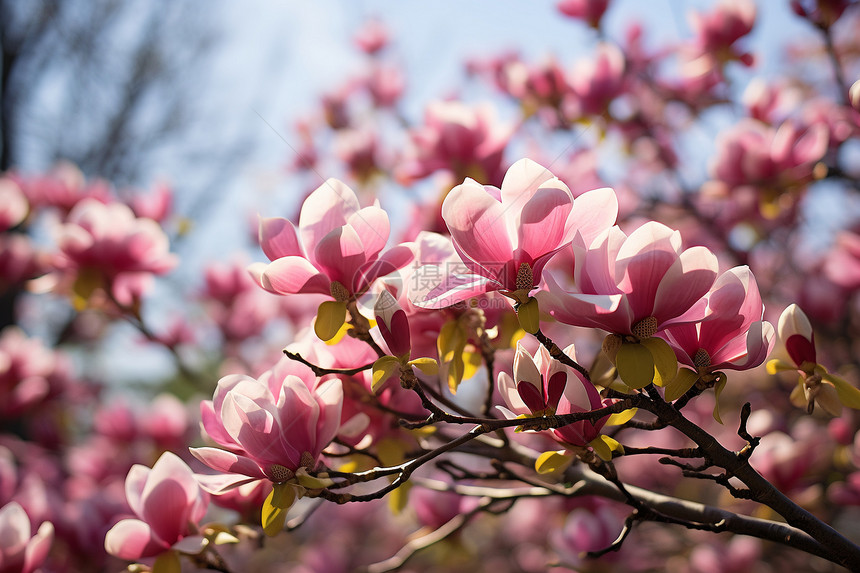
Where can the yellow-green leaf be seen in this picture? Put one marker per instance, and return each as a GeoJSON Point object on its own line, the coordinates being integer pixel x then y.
{"type": "Point", "coordinates": [679, 385]}
{"type": "Point", "coordinates": [665, 362]}
{"type": "Point", "coordinates": [426, 365]}
{"type": "Point", "coordinates": [167, 562]}
{"type": "Point", "coordinates": [777, 365]}
{"type": "Point", "coordinates": [330, 318]}
{"type": "Point", "coordinates": [848, 394]}
{"type": "Point", "coordinates": [718, 389]}
{"type": "Point", "coordinates": [621, 417]}
{"type": "Point", "coordinates": [339, 334]}
{"type": "Point", "coordinates": [283, 495]}
{"type": "Point", "coordinates": [383, 369]}
{"type": "Point", "coordinates": [224, 538]}
{"type": "Point", "coordinates": [529, 315]}
{"type": "Point", "coordinates": [635, 365]}
{"type": "Point", "coordinates": [552, 461]}
{"type": "Point", "coordinates": [601, 447]}
{"type": "Point", "coordinates": [312, 482]}
{"type": "Point", "coordinates": [399, 498]}
{"type": "Point", "coordinates": [391, 452]}
{"type": "Point", "coordinates": [471, 364]}
{"type": "Point", "coordinates": [275, 509]}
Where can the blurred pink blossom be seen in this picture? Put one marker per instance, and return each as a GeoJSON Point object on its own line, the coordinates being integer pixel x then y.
{"type": "Point", "coordinates": [107, 246]}
{"type": "Point", "coordinates": [13, 204]}
{"type": "Point", "coordinates": [168, 505]}
{"type": "Point", "coordinates": [21, 551]}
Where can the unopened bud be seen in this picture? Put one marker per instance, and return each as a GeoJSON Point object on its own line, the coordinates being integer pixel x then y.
{"type": "Point", "coordinates": [854, 95]}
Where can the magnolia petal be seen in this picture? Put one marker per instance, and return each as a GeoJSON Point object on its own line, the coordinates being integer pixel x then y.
{"type": "Point", "coordinates": [228, 462]}
{"type": "Point", "coordinates": [292, 275]}
{"type": "Point", "coordinates": [278, 238]}
{"type": "Point", "coordinates": [372, 227]}
{"type": "Point", "coordinates": [132, 539]}
{"type": "Point", "coordinates": [593, 212]}
{"type": "Point", "coordinates": [476, 222]}
{"type": "Point", "coordinates": [325, 209]}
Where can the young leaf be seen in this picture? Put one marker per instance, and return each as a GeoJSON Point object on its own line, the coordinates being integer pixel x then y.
{"type": "Point", "coordinates": [167, 562]}
{"type": "Point", "coordinates": [718, 389]}
{"type": "Point", "coordinates": [383, 369]}
{"type": "Point", "coordinates": [679, 385]}
{"type": "Point", "coordinates": [848, 394]}
{"type": "Point", "coordinates": [665, 362]}
{"type": "Point", "coordinates": [426, 365]}
{"type": "Point", "coordinates": [549, 462]}
{"type": "Point", "coordinates": [529, 315]}
{"type": "Point", "coordinates": [635, 365]}
{"type": "Point", "coordinates": [330, 317]}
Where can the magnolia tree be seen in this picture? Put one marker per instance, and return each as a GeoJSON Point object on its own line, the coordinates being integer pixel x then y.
{"type": "Point", "coordinates": [634, 354]}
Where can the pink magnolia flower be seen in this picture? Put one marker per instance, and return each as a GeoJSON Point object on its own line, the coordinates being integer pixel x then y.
{"type": "Point", "coordinates": [717, 31]}
{"type": "Point", "coordinates": [63, 187]}
{"type": "Point", "coordinates": [751, 153]}
{"type": "Point", "coordinates": [273, 426]}
{"type": "Point", "coordinates": [543, 386]}
{"type": "Point", "coordinates": [598, 80]}
{"type": "Point", "coordinates": [236, 303]}
{"type": "Point", "coordinates": [168, 504]}
{"type": "Point", "coordinates": [155, 205]}
{"type": "Point", "coordinates": [733, 336]}
{"type": "Point", "coordinates": [634, 285]}
{"type": "Point", "coordinates": [842, 263]}
{"type": "Point", "coordinates": [335, 251]}
{"type": "Point", "coordinates": [589, 11]}
{"type": "Point", "coordinates": [385, 85]}
{"type": "Point", "coordinates": [20, 550]}
{"type": "Point", "coordinates": [585, 530]}
{"type": "Point", "coordinates": [13, 204]}
{"type": "Point", "coordinates": [542, 88]}
{"type": "Point", "coordinates": [108, 246]}
{"type": "Point", "coordinates": [467, 141]}
{"type": "Point", "coordinates": [506, 236]}
{"type": "Point", "coordinates": [372, 37]}
{"type": "Point", "coordinates": [19, 260]}
{"type": "Point", "coordinates": [30, 373]}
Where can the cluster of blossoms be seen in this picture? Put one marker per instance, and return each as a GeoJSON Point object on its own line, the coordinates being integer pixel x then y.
{"type": "Point", "coordinates": [423, 355]}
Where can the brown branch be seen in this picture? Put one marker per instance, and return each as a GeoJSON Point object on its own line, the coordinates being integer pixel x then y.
{"type": "Point", "coordinates": [320, 371]}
